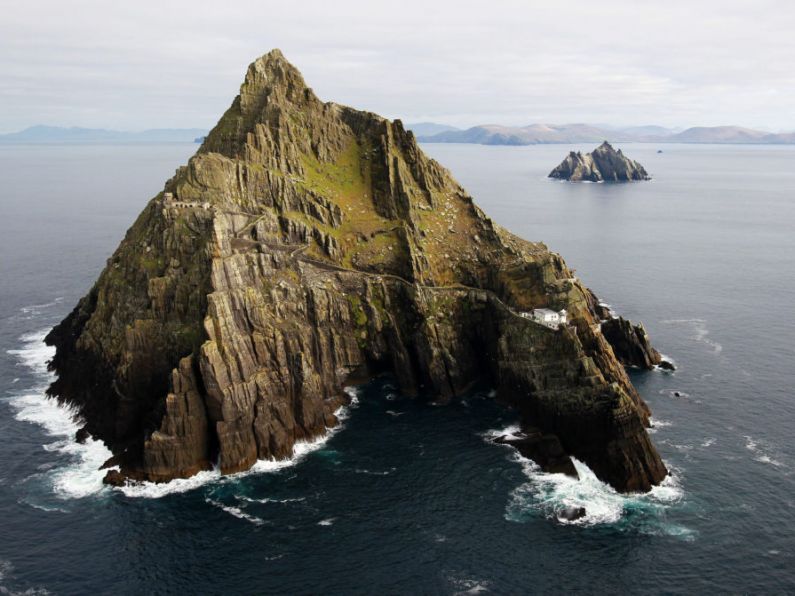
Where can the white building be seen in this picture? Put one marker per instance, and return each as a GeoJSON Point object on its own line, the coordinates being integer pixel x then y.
{"type": "Point", "coordinates": [546, 316]}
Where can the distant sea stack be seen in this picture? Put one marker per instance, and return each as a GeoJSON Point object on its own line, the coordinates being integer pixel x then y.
{"type": "Point", "coordinates": [603, 164]}
{"type": "Point", "coordinates": [306, 246]}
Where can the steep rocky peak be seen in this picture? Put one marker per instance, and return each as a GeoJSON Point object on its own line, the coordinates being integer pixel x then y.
{"type": "Point", "coordinates": [272, 90]}
{"type": "Point", "coordinates": [307, 241]}
{"type": "Point", "coordinates": [285, 149]}
{"type": "Point", "coordinates": [271, 77]}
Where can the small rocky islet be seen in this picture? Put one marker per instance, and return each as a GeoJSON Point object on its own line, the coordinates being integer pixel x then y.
{"type": "Point", "coordinates": [307, 246]}
{"type": "Point", "coordinates": [603, 164]}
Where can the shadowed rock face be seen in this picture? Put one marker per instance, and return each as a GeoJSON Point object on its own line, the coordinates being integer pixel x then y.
{"type": "Point", "coordinates": [631, 343]}
{"type": "Point", "coordinates": [307, 242]}
{"type": "Point", "coordinates": [603, 164]}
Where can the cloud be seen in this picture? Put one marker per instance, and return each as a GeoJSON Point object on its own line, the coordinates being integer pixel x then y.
{"type": "Point", "coordinates": [179, 63]}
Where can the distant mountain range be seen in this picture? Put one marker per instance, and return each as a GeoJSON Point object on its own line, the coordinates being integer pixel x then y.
{"type": "Point", "coordinates": [58, 134]}
{"type": "Point", "coordinates": [426, 129]}
{"type": "Point", "coordinates": [431, 132]}
{"type": "Point", "coordinates": [587, 133]}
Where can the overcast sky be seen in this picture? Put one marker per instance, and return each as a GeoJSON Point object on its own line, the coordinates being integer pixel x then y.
{"type": "Point", "coordinates": [149, 64]}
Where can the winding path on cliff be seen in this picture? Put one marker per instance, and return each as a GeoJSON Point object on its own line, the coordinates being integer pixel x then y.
{"type": "Point", "coordinates": [298, 253]}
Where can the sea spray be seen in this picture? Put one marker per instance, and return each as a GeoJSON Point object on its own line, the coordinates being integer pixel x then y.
{"type": "Point", "coordinates": [551, 495]}
{"type": "Point", "coordinates": [81, 475]}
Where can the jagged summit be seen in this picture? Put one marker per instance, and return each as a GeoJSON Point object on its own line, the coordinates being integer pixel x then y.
{"type": "Point", "coordinates": [308, 243]}
{"type": "Point", "coordinates": [603, 164]}
{"type": "Point", "coordinates": [272, 87]}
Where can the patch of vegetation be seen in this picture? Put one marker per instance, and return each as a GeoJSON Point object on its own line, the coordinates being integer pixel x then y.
{"type": "Point", "coordinates": [152, 264]}
{"type": "Point", "coordinates": [360, 318]}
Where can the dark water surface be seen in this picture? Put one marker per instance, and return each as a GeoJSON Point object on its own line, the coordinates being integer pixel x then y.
{"type": "Point", "coordinates": [409, 498]}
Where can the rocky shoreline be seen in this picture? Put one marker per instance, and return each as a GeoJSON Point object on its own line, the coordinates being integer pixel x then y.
{"type": "Point", "coordinates": [307, 244]}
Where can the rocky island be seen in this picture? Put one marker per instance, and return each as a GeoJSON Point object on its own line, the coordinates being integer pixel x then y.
{"type": "Point", "coordinates": [307, 246]}
{"type": "Point", "coordinates": [603, 164]}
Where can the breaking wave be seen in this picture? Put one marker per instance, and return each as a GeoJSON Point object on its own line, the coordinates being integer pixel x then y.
{"type": "Point", "coordinates": [301, 449]}
{"type": "Point", "coordinates": [551, 495]}
{"type": "Point", "coordinates": [81, 475]}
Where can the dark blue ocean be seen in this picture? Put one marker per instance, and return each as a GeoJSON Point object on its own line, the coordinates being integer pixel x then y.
{"type": "Point", "coordinates": [407, 497]}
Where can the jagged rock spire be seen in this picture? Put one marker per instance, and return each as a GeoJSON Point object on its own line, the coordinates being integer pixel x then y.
{"type": "Point", "coordinates": [603, 164]}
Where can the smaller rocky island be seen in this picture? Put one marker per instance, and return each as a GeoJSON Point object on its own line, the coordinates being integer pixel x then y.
{"type": "Point", "coordinates": [603, 164]}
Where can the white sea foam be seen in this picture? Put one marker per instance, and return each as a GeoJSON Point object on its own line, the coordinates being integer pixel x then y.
{"type": "Point", "coordinates": [37, 308]}
{"type": "Point", "coordinates": [237, 512]}
{"type": "Point", "coordinates": [82, 476]}
{"type": "Point", "coordinates": [512, 431]}
{"type": "Point", "coordinates": [763, 452]}
{"type": "Point", "coordinates": [657, 425]}
{"type": "Point", "coordinates": [35, 354]}
{"type": "Point", "coordinates": [326, 522]}
{"type": "Point", "coordinates": [269, 500]}
{"type": "Point", "coordinates": [153, 490]}
{"type": "Point", "coordinates": [353, 393]}
{"type": "Point", "coordinates": [468, 585]}
{"type": "Point", "coordinates": [550, 494]}
{"type": "Point", "coordinates": [395, 414]}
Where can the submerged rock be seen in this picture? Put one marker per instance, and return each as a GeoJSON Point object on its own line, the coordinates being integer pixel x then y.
{"type": "Point", "coordinates": [307, 242]}
{"type": "Point", "coordinates": [571, 513]}
{"type": "Point", "coordinates": [603, 164]}
{"type": "Point", "coordinates": [114, 478]}
{"type": "Point", "coordinates": [82, 435]}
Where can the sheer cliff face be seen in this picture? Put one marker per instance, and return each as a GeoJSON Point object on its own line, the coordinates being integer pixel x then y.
{"type": "Point", "coordinates": [306, 242]}
{"type": "Point", "coordinates": [603, 164]}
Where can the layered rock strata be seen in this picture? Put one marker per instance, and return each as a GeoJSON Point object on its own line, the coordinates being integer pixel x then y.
{"type": "Point", "coordinates": [307, 242]}
{"type": "Point", "coordinates": [603, 164]}
{"type": "Point", "coordinates": [632, 345]}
